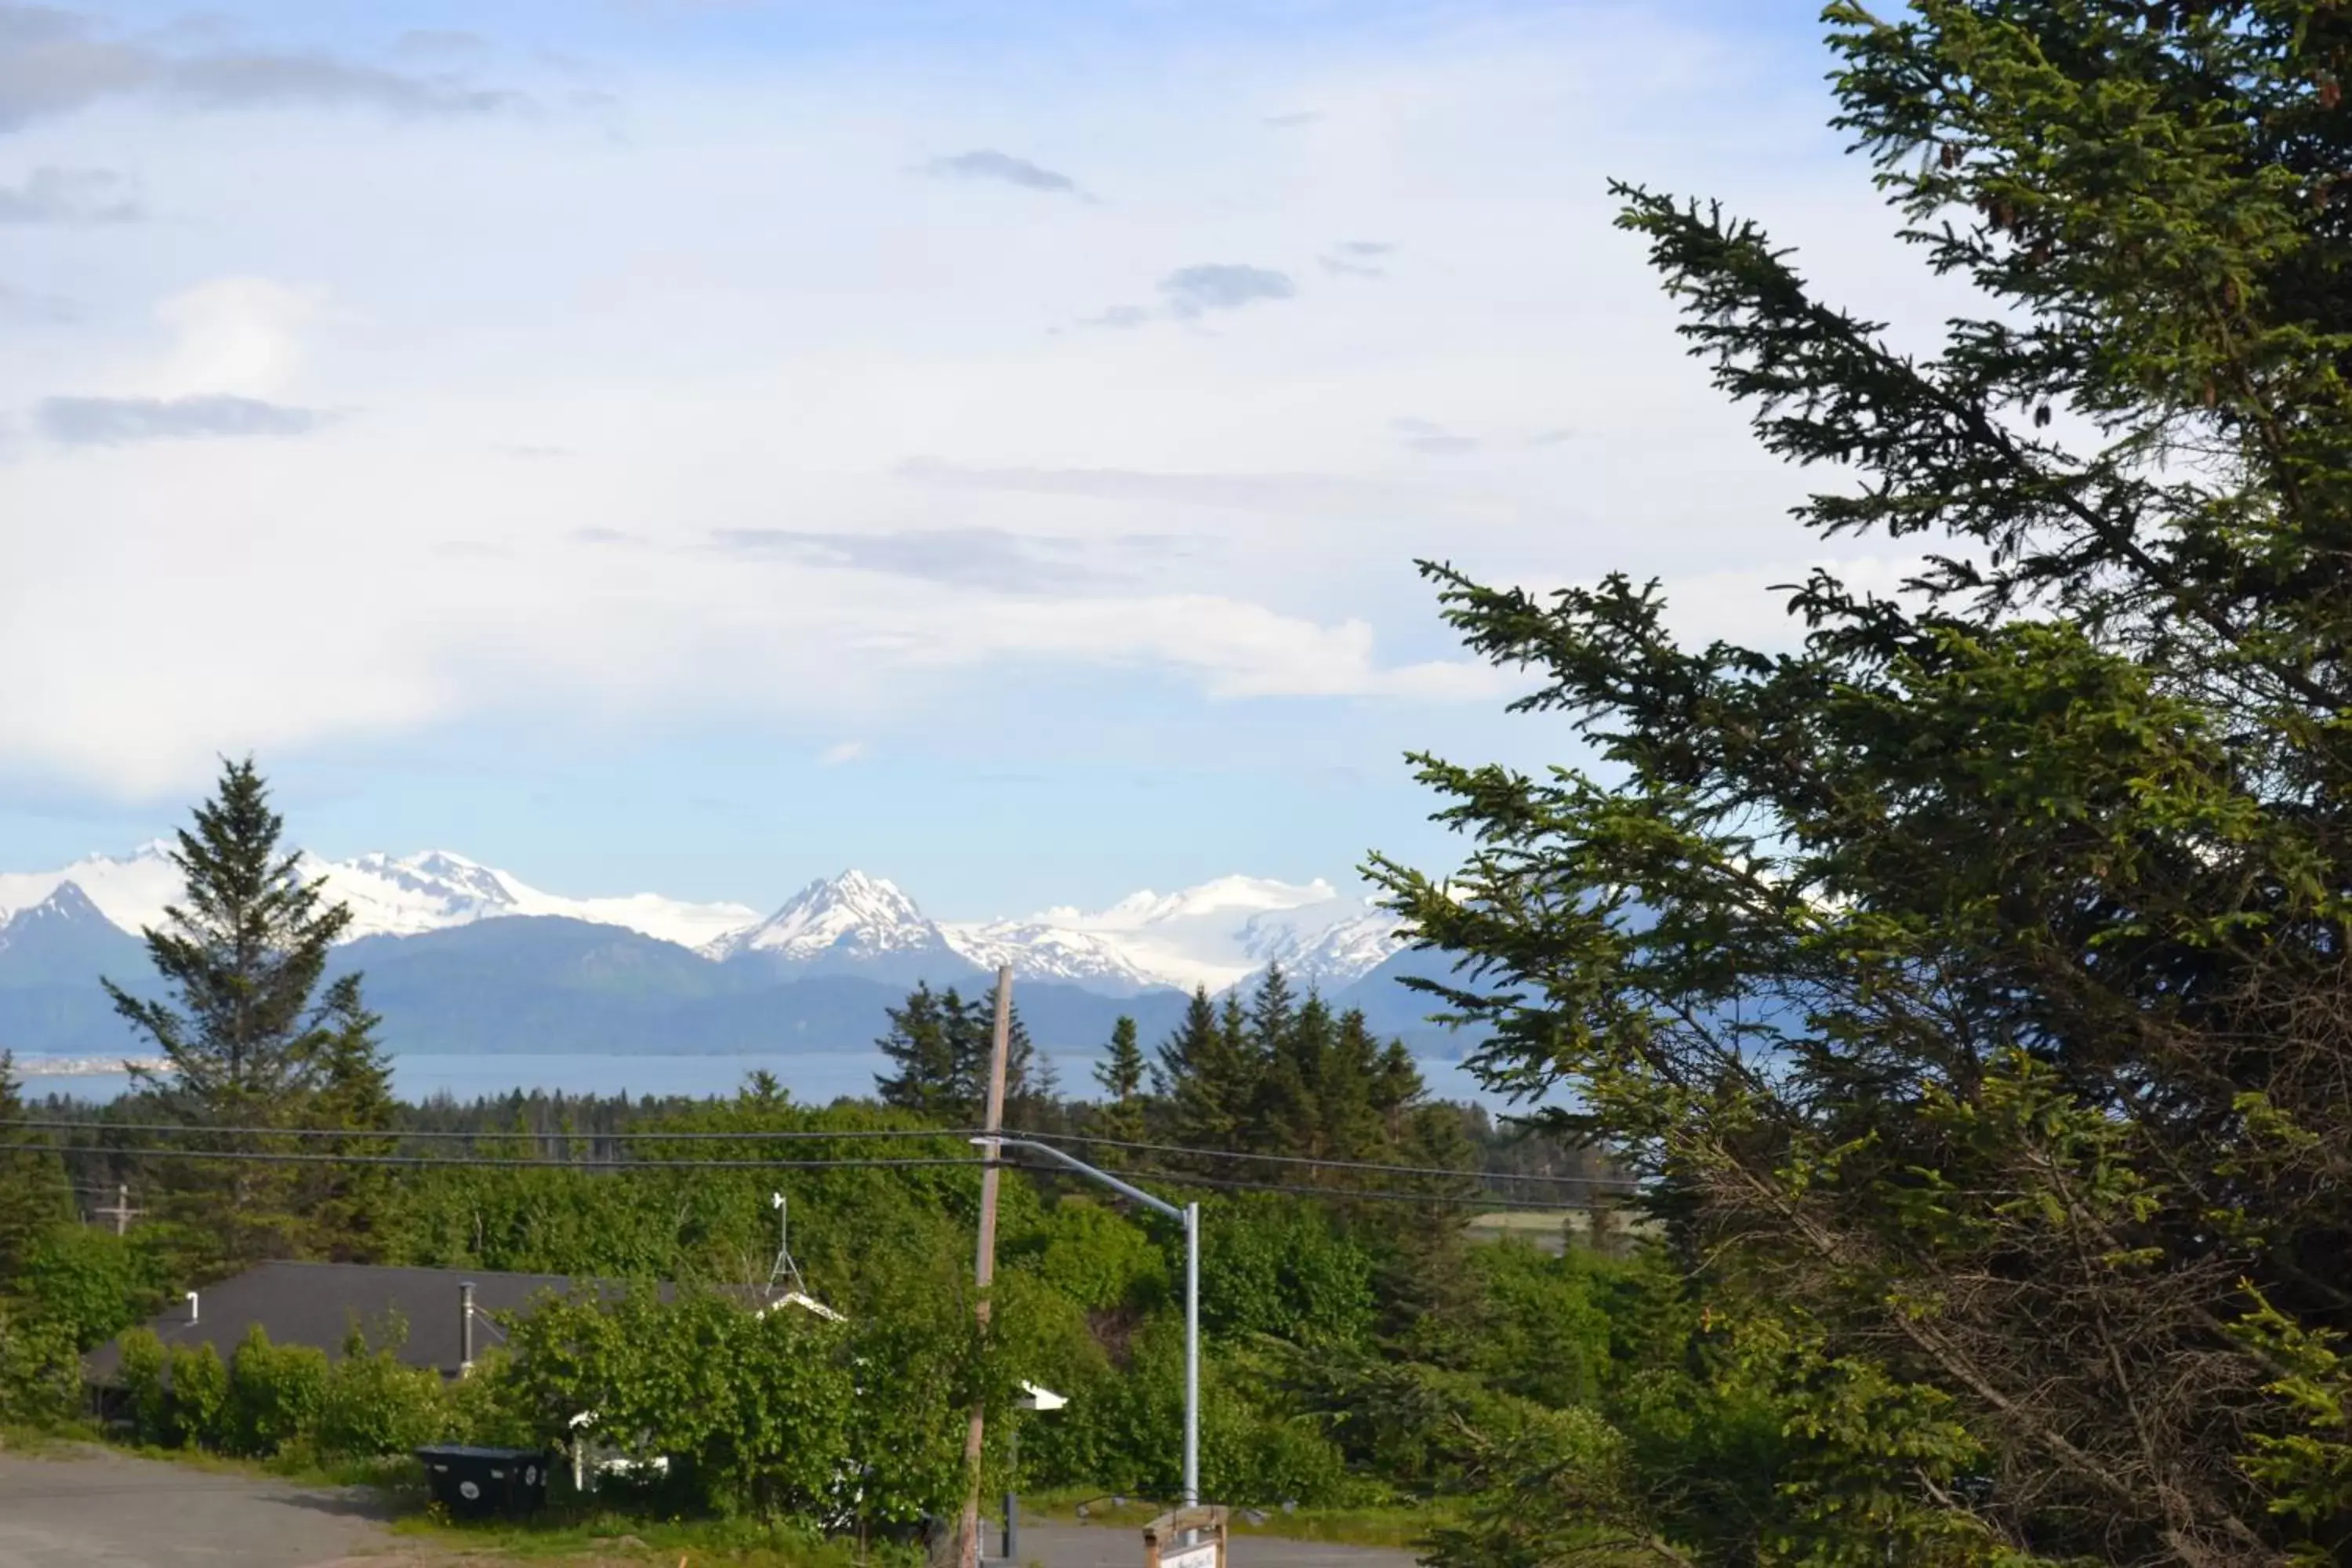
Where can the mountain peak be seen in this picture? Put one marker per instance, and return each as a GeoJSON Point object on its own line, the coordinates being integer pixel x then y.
{"type": "Point", "coordinates": [852, 918]}
{"type": "Point", "coordinates": [69, 905]}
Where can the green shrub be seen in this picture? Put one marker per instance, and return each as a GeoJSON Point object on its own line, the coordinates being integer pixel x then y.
{"type": "Point", "coordinates": [373, 1405]}
{"type": "Point", "coordinates": [1097, 1258]}
{"type": "Point", "coordinates": [1283, 1269]}
{"type": "Point", "coordinates": [40, 1376]}
{"type": "Point", "coordinates": [275, 1393]}
{"type": "Point", "coordinates": [144, 1390]}
{"type": "Point", "coordinates": [198, 1402]}
{"type": "Point", "coordinates": [90, 1283]}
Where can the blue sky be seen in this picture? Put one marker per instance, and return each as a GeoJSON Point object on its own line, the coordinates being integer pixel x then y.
{"type": "Point", "coordinates": [699, 446]}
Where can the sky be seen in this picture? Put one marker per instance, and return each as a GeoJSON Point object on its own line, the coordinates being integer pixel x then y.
{"type": "Point", "coordinates": [699, 447]}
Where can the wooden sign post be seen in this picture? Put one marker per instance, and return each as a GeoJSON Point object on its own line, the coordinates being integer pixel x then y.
{"type": "Point", "coordinates": [1188, 1538]}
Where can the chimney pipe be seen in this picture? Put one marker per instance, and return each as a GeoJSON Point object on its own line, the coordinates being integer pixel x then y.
{"type": "Point", "coordinates": [192, 1306]}
{"type": "Point", "coordinates": [465, 1328]}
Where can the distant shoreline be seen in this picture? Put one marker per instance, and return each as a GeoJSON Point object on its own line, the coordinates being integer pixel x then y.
{"type": "Point", "coordinates": [86, 1067]}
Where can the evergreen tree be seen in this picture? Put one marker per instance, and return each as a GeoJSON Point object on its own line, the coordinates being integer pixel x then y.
{"type": "Point", "coordinates": [1207, 1076]}
{"type": "Point", "coordinates": [1122, 1073]}
{"type": "Point", "coordinates": [242, 954]}
{"type": "Point", "coordinates": [923, 1052]}
{"type": "Point", "coordinates": [351, 1208]}
{"type": "Point", "coordinates": [941, 1044]}
{"type": "Point", "coordinates": [34, 1193]}
{"type": "Point", "coordinates": [1972, 961]}
{"type": "Point", "coordinates": [1271, 1009]}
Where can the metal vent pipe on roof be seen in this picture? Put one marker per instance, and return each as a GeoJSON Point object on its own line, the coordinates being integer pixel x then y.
{"type": "Point", "coordinates": [465, 1328]}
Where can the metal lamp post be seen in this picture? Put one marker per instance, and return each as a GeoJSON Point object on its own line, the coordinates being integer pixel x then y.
{"type": "Point", "coordinates": [1189, 1216]}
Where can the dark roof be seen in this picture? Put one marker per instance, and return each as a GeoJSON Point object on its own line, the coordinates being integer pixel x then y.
{"type": "Point", "coordinates": [315, 1303]}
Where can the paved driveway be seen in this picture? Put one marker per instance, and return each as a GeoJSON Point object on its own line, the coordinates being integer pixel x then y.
{"type": "Point", "coordinates": [97, 1509]}
{"type": "Point", "coordinates": [93, 1509]}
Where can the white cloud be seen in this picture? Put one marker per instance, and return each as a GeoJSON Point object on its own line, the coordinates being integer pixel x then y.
{"type": "Point", "coordinates": [842, 752]}
{"type": "Point", "coordinates": [240, 335]}
{"type": "Point", "coordinates": [745, 319]}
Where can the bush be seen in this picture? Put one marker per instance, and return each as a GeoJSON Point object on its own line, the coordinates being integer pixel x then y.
{"type": "Point", "coordinates": [40, 1376]}
{"type": "Point", "coordinates": [373, 1405]}
{"type": "Point", "coordinates": [90, 1283]}
{"type": "Point", "coordinates": [198, 1402]}
{"type": "Point", "coordinates": [1283, 1269]}
{"type": "Point", "coordinates": [144, 1387]}
{"type": "Point", "coordinates": [275, 1393]}
{"type": "Point", "coordinates": [1094, 1257]}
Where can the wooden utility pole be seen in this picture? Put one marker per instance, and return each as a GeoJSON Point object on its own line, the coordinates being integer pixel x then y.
{"type": "Point", "coordinates": [121, 1213]}
{"type": "Point", "coordinates": [985, 1267]}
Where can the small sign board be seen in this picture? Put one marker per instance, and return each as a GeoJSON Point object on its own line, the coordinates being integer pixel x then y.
{"type": "Point", "coordinates": [1166, 1542]}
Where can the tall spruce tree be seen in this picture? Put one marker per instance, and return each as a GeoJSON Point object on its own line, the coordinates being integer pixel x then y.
{"type": "Point", "coordinates": [1120, 1074]}
{"type": "Point", "coordinates": [922, 1052]}
{"type": "Point", "coordinates": [243, 1033]}
{"type": "Point", "coordinates": [352, 1208]}
{"type": "Point", "coordinates": [1971, 968]}
{"type": "Point", "coordinates": [242, 953]}
{"type": "Point", "coordinates": [34, 1193]}
{"type": "Point", "coordinates": [1207, 1075]}
{"type": "Point", "coordinates": [940, 1044]}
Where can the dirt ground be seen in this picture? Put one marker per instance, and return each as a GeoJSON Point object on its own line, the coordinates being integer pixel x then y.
{"type": "Point", "coordinates": [88, 1508]}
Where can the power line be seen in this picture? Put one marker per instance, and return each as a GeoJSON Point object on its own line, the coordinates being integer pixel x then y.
{"type": "Point", "coordinates": [494, 1162]}
{"type": "Point", "coordinates": [174, 1129]}
{"type": "Point", "coordinates": [270, 1157]}
{"type": "Point", "coordinates": [1331, 1165]}
{"type": "Point", "coordinates": [189, 1129]}
{"type": "Point", "coordinates": [1458, 1200]}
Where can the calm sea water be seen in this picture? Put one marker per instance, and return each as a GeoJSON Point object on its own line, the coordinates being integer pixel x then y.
{"type": "Point", "coordinates": [813, 1077]}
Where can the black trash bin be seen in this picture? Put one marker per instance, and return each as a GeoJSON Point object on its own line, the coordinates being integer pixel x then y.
{"type": "Point", "coordinates": [483, 1483]}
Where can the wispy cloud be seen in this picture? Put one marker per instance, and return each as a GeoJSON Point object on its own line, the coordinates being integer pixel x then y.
{"type": "Point", "coordinates": [841, 751]}
{"type": "Point", "coordinates": [1431, 440]}
{"type": "Point", "coordinates": [439, 44]}
{"type": "Point", "coordinates": [987, 163]}
{"type": "Point", "coordinates": [54, 61]}
{"type": "Point", "coordinates": [1356, 258]}
{"type": "Point", "coordinates": [72, 197]}
{"type": "Point", "coordinates": [1193, 291]}
{"type": "Point", "coordinates": [48, 309]}
{"type": "Point", "coordinates": [989, 558]}
{"type": "Point", "coordinates": [1332, 496]}
{"type": "Point", "coordinates": [1293, 120]}
{"type": "Point", "coordinates": [1190, 292]}
{"type": "Point", "coordinates": [118, 421]}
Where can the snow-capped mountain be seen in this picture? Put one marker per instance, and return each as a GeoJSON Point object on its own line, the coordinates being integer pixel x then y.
{"type": "Point", "coordinates": [1218, 934]}
{"type": "Point", "coordinates": [388, 897]}
{"type": "Point", "coordinates": [65, 920]}
{"type": "Point", "coordinates": [852, 922]}
{"type": "Point", "coordinates": [130, 890]}
{"type": "Point", "coordinates": [1332, 958]}
{"type": "Point", "coordinates": [436, 889]}
{"type": "Point", "coordinates": [1038, 950]}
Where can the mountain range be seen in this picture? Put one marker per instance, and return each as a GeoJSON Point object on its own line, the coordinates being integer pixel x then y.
{"type": "Point", "coordinates": [462, 957]}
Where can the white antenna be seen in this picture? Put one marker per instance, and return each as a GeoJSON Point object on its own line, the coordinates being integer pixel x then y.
{"type": "Point", "coordinates": [784, 1267]}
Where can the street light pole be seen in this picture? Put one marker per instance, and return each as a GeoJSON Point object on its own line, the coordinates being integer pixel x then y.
{"type": "Point", "coordinates": [1189, 1216]}
{"type": "Point", "coordinates": [1192, 1355]}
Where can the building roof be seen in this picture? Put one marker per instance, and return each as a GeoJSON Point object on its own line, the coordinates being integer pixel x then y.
{"type": "Point", "coordinates": [316, 1304]}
